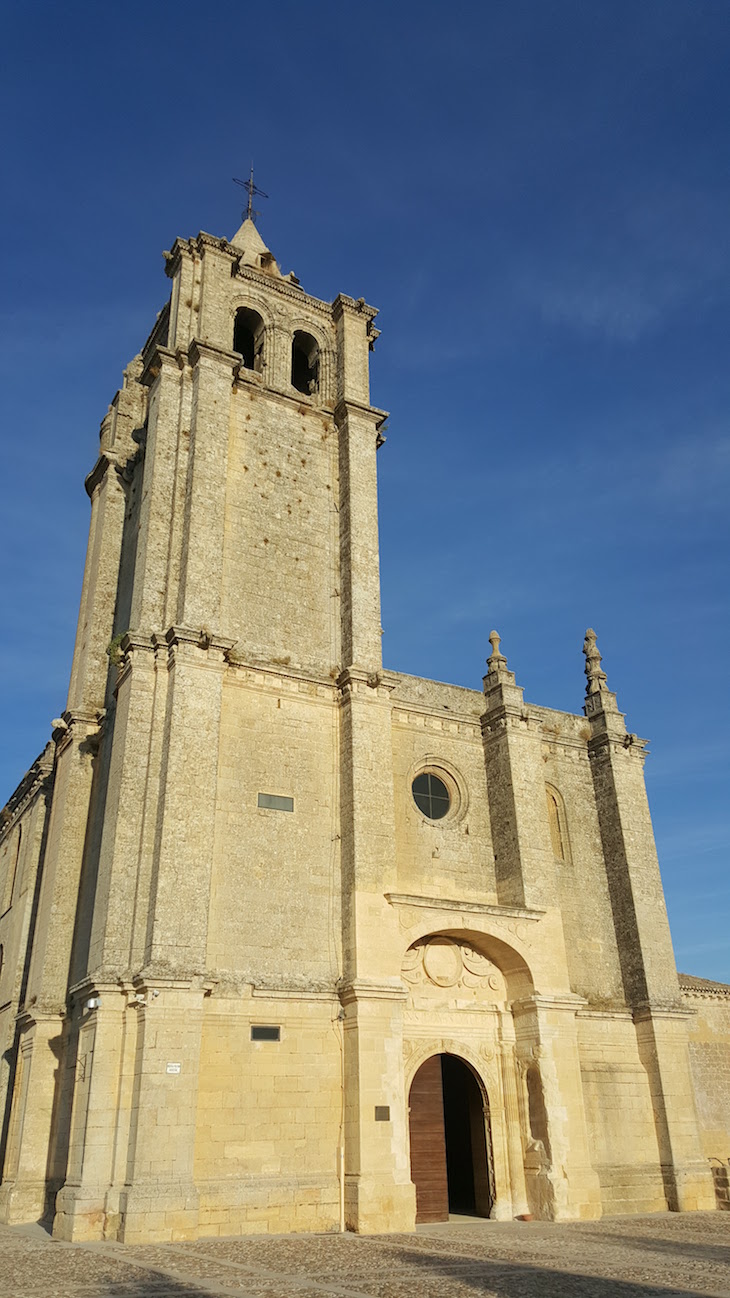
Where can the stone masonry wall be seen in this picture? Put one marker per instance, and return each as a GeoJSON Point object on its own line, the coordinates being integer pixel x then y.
{"type": "Point", "coordinates": [709, 1052]}
{"type": "Point", "coordinates": [269, 1115]}
{"type": "Point", "coordinates": [281, 565]}
{"type": "Point", "coordinates": [275, 889]}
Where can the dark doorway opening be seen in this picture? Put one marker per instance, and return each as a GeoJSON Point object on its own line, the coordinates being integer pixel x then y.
{"type": "Point", "coordinates": [449, 1130]}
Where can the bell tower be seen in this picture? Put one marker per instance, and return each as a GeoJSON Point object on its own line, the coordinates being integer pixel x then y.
{"type": "Point", "coordinates": [261, 452]}
{"type": "Point", "coordinates": [228, 679]}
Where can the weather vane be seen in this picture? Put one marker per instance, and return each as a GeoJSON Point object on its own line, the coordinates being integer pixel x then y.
{"type": "Point", "coordinates": [250, 214]}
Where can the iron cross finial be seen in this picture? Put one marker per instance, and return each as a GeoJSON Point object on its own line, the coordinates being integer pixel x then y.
{"type": "Point", "coordinates": [250, 214]}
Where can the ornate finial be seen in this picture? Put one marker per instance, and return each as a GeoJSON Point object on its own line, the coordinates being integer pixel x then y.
{"type": "Point", "coordinates": [250, 214]}
{"type": "Point", "coordinates": [596, 677]}
{"type": "Point", "coordinates": [495, 659]}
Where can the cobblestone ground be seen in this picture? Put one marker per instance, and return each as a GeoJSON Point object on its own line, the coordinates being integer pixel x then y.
{"type": "Point", "coordinates": [668, 1256]}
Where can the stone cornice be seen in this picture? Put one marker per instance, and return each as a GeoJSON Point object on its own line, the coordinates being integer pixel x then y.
{"type": "Point", "coordinates": [101, 982]}
{"type": "Point", "coordinates": [132, 642]}
{"type": "Point", "coordinates": [366, 989]}
{"type": "Point", "coordinates": [316, 404]}
{"type": "Point", "coordinates": [647, 1013]}
{"type": "Point", "coordinates": [618, 1013]}
{"type": "Point", "coordinates": [37, 778]}
{"type": "Point", "coordinates": [93, 480]}
{"type": "Point", "coordinates": [155, 360]}
{"type": "Point", "coordinates": [212, 649]}
{"type": "Point", "coordinates": [557, 1001]}
{"type": "Point", "coordinates": [260, 991]}
{"type": "Point", "coordinates": [355, 680]}
{"type": "Point", "coordinates": [196, 247]}
{"type": "Point", "coordinates": [503, 718]}
{"type": "Point", "coordinates": [199, 350]}
{"type": "Point", "coordinates": [161, 325]}
{"type": "Point", "coordinates": [719, 990]}
{"type": "Point", "coordinates": [464, 907]}
{"type": "Point", "coordinates": [442, 716]}
{"type": "Point", "coordinates": [352, 306]}
{"type": "Point", "coordinates": [77, 727]}
{"type": "Point", "coordinates": [604, 745]}
{"type": "Point", "coordinates": [196, 636]}
{"type": "Point", "coordinates": [250, 672]}
{"type": "Point", "coordinates": [347, 406]}
{"type": "Point", "coordinates": [29, 1016]}
{"type": "Point", "coordinates": [285, 288]}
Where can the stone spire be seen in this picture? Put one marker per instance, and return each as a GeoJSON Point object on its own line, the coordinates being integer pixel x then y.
{"type": "Point", "coordinates": [248, 239]}
{"type": "Point", "coordinates": [496, 660]}
{"type": "Point", "coordinates": [253, 252]}
{"type": "Point", "coordinates": [497, 672]}
{"type": "Point", "coordinates": [596, 679]}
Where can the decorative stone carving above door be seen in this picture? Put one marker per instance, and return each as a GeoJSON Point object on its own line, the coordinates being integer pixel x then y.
{"type": "Point", "coordinates": [443, 963]}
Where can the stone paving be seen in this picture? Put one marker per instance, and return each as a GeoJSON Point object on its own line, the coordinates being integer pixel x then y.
{"type": "Point", "coordinates": [663, 1256]}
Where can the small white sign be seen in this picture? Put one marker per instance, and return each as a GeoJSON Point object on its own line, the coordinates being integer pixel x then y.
{"type": "Point", "coordinates": [173, 1068]}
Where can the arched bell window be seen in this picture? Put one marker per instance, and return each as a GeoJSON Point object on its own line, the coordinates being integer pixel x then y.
{"type": "Point", "coordinates": [248, 338]}
{"type": "Point", "coordinates": [304, 363]}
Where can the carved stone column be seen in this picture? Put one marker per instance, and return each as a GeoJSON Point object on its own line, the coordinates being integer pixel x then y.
{"type": "Point", "coordinates": [515, 1150]}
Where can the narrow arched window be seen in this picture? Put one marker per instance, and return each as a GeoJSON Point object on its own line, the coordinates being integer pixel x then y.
{"type": "Point", "coordinates": [558, 829]}
{"type": "Point", "coordinates": [304, 363]}
{"type": "Point", "coordinates": [248, 338]}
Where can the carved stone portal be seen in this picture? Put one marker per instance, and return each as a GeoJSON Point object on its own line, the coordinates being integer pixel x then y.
{"type": "Point", "coordinates": [442, 962]}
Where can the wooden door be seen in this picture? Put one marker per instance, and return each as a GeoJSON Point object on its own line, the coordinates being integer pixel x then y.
{"type": "Point", "coordinates": [428, 1143]}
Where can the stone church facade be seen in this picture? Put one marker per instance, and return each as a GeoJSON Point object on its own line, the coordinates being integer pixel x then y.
{"type": "Point", "coordinates": [289, 941]}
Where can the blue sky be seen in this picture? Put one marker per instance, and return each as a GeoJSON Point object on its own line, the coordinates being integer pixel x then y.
{"type": "Point", "coordinates": [535, 194]}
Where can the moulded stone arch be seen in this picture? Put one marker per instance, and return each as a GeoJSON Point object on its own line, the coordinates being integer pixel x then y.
{"type": "Point", "coordinates": [302, 324]}
{"type": "Point", "coordinates": [490, 1090]}
{"type": "Point", "coordinates": [485, 1075]}
{"type": "Point", "coordinates": [510, 961]}
{"type": "Point", "coordinates": [251, 301]}
{"type": "Point", "coordinates": [246, 297]}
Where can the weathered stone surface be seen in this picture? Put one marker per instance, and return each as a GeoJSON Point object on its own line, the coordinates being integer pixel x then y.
{"type": "Point", "coordinates": [231, 936]}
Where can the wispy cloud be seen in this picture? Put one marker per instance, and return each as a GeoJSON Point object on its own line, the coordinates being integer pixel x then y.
{"type": "Point", "coordinates": [622, 267]}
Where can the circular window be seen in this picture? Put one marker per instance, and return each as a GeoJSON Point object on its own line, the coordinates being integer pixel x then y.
{"type": "Point", "coordinates": [431, 796]}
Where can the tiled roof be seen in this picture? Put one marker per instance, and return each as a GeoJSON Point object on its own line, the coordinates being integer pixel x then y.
{"type": "Point", "coordinates": [689, 983]}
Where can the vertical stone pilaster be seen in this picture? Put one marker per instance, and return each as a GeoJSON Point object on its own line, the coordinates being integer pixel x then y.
{"type": "Point", "coordinates": [513, 1126]}
{"type": "Point", "coordinates": [635, 886]}
{"type": "Point", "coordinates": [353, 321]}
{"type": "Point", "coordinates": [359, 552]}
{"type": "Point", "coordinates": [165, 460]}
{"type": "Point", "coordinates": [130, 812]}
{"type": "Point", "coordinates": [524, 865]}
{"type": "Point", "coordinates": [40, 1117]}
{"type": "Point", "coordinates": [662, 1041]}
{"type": "Point", "coordinates": [160, 1199]}
{"type": "Point", "coordinates": [76, 749]}
{"type": "Point", "coordinates": [81, 1205]}
{"type": "Point", "coordinates": [379, 1194]}
{"type": "Point", "coordinates": [367, 821]}
{"type": "Point", "coordinates": [199, 600]}
{"type": "Point", "coordinates": [180, 886]}
{"type": "Point", "coordinates": [546, 1027]}
{"type": "Point", "coordinates": [87, 687]}
{"type": "Point", "coordinates": [37, 1147]}
{"type": "Point", "coordinates": [644, 941]}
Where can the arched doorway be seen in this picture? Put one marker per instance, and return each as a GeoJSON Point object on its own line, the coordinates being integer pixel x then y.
{"type": "Point", "coordinates": [449, 1133]}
